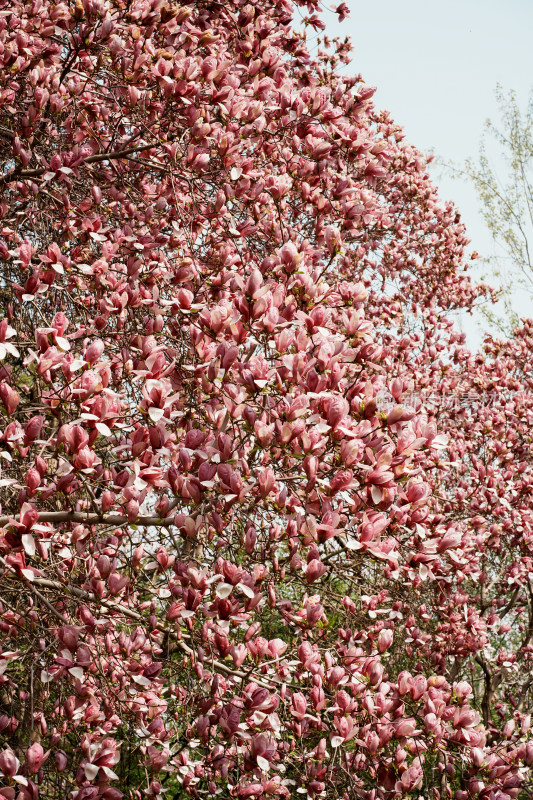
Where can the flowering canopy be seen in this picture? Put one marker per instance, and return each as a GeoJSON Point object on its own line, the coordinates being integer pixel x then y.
{"type": "Point", "coordinates": [224, 570]}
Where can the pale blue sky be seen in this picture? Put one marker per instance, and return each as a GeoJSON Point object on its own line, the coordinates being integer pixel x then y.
{"type": "Point", "coordinates": [436, 65]}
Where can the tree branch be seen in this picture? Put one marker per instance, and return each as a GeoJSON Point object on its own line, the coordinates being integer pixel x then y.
{"type": "Point", "coordinates": [94, 519]}
{"type": "Point", "coordinates": [128, 612]}
{"type": "Point", "coordinates": [37, 172]}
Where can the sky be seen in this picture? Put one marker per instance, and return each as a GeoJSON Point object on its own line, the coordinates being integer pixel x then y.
{"type": "Point", "coordinates": [436, 65]}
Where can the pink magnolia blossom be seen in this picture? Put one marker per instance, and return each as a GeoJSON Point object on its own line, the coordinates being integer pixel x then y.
{"type": "Point", "coordinates": [219, 256]}
{"type": "Point", "coordinates": [9, 763]}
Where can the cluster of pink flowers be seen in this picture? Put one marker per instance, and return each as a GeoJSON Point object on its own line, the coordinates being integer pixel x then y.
{"type": "Point", "coordinates": [224, 569]}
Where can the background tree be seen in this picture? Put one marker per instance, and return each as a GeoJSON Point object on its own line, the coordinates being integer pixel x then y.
{"type": "Point", "coordinates": [503, 179]}
{"type": "Point", "coordinates": [226, 570]}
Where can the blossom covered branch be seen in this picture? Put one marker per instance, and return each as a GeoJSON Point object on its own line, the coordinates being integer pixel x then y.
{"type": "Point", "coordinates": [224, 569]}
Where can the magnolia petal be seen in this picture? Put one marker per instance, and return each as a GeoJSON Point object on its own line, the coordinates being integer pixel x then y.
{"type": "Point", "coordinates": [155, 414]}
{"type": "Point", "coordinates": [28, 543]}
{"type": "Point", "coordinates": [91, 771]}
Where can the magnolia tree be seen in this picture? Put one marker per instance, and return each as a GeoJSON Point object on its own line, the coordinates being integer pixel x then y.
{"type": "Point", "coordinates": [225, 569]}
{"type": "Point", "coordinates": [487, 488]}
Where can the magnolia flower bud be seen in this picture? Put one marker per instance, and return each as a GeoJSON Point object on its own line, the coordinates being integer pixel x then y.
{"type": "Point", "coordinates": [108, 499]}
{"type": "Point", "coordinates": [314, 570]}
{"type": "Point", "coordinates": [418, 687]}
{"type": "Point", "coordinates": [32, 429]}
{"type": "Point", "coordinates": [313, 613]}
{"type": "Point", "coordinates": [116, 582]}
{"type": "Point", "coordinates": [9, 763]}
{"type": "Point", "coordinates": [405, 728]}
{"type": "Point", "coordinates": [417, 492]}
{"type": "Point", "coordinates": [9, 397]}
{"type": "Point", "coordinates": [385, 638]}
{"type": "Point", "coordinates": [41, 466]}
{"type": "Point", "coordinates": [337, 409]}
{"type": "Point", "coordinates": [94, 351]}
{"type": "Point", "coordinates": [465, 717]}
{"type": "Point", "coordinates": [478, 756]}
{"type": "Point", "coordinates": [254, 283]}
{"type": "Point", "coordinates": [251, 790]}
{"type": "Point", "coordinates": [508, 728]}
{"type": "Point", "coordinates": [404, 680]}
{"type": "Point", "coordinates": [396, 388]}
{"type": "Point", "coordinates": [33, 480]}
{"type": "Point", "coordinates": [137, 556]}
{"type": "Point", "coordinates": [336, 675]}
{"type": "Point", "coordinates": [34, 757]}
{"type": "Point", "coordinates": [341, 481]}
{"type": "Point", "coordinates": [375, 674]}
{"type": "Point", "coordinates": [132, 509]}
{"type": "Point", "coordinates": [103, 565]}
{"type": "Point", "coordinates": [372, 742]}
{"type": "Point", "coordinates": [97, 194]}
{"type": "Point", "coordinates": [289, 256]}
{"type": "Point", "coordinates": [69, 636]}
